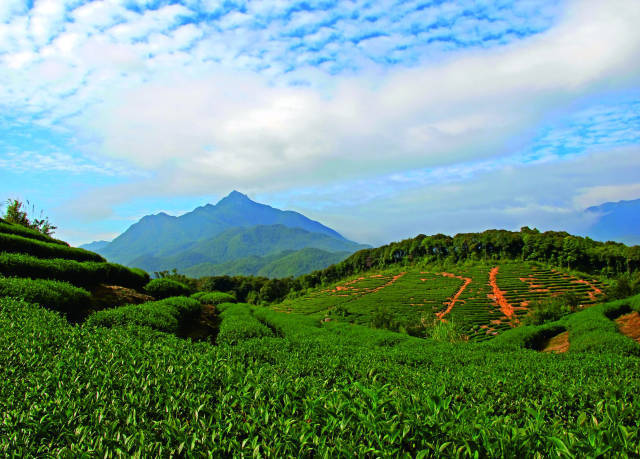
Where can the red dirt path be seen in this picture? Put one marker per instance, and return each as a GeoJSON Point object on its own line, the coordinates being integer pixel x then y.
{"type": "Point", "coordinates": [455, 297]}
{"type": "Point", "coordinates": [630, 325]}
{"type": "Point", "coordinates": [595, 290]}
{"type": "Point", "coordinates": [498, 295]}
{"type": "Point", "coordinates": [393, 279]}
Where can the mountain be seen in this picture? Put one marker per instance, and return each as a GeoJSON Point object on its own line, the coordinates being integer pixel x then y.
{"type": "Point", "coordinates": [238, 243]}
{"type": "Point", "coordinates": [233, 229]}
{"type": "Point", "coordinates": [95, 246]}
{"type": "Point", "coordinates": [619, 221]}
{"type": "Point", "coordinates": [289, 263]}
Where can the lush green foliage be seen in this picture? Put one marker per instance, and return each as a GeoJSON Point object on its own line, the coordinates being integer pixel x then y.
{"type": "Point", "coordinates": [164, 288]}
{"type": "Point", "coordinates": [238, 324]}
{"type": "Point", "coordinates": [244, 288]}
{"type": "Point", "coordinates": [20, 244]}
{"type": "Point", "coordinates": [81, 274]}
{"type": "Point", "coordinates": [60, 296]}
{"type": "Point", "coordinates": [166, 315]}
{"type": "Point", "coordinates": [219, 254]}
{"type": "Point", "coordinates": [556, 248]}
{"type": "Point", "coordinates": [551, 308]}
{"type": "Point", "coordinates": [409, 300]}
{"type": "Point", "coordinates": [625, 285]}
{"type": "Point", "coordinates": [591, 330]}
{"type": "Point", "coordinates": [330, 389]}
{"type": "Point", "coordinates": [215, 298]}
{"type": "Point", "coordinates": [288, 263]}
{"type": "Point", "coordinates": [9, 228]}
{"type": "Point", "coordinates": [16, 214]}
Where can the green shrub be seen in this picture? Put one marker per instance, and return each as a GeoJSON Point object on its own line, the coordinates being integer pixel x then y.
{"type": "Point", "coordinates": [446, 332]}
{"type": "Point", "coordinates": [216, 298]}
{"type": "Point", "coordinates": [57, 295]}
{"type": "Point", "coordinates": [198, 295]}
{"type": "Point", "coordinates": [164, 288]}
{"type": "Point", "coordinates": [551, 309]}
{"type": "Point", "coordinates": [292, 326]}
{"type": "Point", "coordinates": [10, 228]}
{"type": "Point", "coordinates": [238, 324]}
{"type": "Point", "coordinates": [20, 244]}
{"type": "Point", "coordinates": [624, 286]}
{"type": "Point", "coordinates": [82, 274]}
{"type": "Point", "coordinates": [165, 315]}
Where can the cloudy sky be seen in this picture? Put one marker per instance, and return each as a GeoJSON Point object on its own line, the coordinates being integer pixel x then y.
{"type": "Point", "coordinates": [382, 119]}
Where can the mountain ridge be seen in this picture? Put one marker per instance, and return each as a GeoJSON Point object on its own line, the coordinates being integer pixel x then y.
{"type": "Point", "coordinates": [220, 233]}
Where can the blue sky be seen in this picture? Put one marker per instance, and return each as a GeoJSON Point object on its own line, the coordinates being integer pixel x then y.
{"type": "Point", "coordinates": [382, 119]}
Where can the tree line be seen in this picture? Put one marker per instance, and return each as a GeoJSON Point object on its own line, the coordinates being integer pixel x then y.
{"type": "Point", "coordinates": [558, 248]}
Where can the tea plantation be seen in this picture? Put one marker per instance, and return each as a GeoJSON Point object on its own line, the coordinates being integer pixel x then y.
{"type": "Point", "coordinates": [282, 383]}
{"type": "Point", "coordinates": [483, 300]}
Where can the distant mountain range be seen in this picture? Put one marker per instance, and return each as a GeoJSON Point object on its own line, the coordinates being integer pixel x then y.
{"type": "Point", "coordinates": [618, 221]}
{"type": "Point", "coordinates": [235, 236]}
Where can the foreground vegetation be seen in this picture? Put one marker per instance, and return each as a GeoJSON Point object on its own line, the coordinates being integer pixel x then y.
{"type": "Point", "coordinates": [305, 389]}
{"type": "Point", "coordinates": [271, 383]}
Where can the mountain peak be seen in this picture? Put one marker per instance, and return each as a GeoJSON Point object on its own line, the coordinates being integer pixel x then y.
{"type": "Point", "coordinates": [235, 197]}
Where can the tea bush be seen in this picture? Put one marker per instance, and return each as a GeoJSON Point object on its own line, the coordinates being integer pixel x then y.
{"type": "Point", "coordinates": [57, 295]}
{"type": "Point", "coordinates": [82, 274]}
{"type": "Point", "coordinates": [68, 391]}
{"type": "Point", "coordinates": [216, 298]}
{"type": "Point", "coordinates": [238, 324]}
{"type": "Point", "coordinates": [10, 228]}
{"type": "Point", "coordinates": [19, 244]}
{"type": "Point", "coordinates": [165, 315]}
{"type": "Point", "coordinates": [164, 288]}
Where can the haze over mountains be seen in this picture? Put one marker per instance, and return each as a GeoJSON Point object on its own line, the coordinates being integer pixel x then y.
{"type": "Point", "coordinates": [618, 221]}
{"type": "Point", "coordinates": [235, 236]}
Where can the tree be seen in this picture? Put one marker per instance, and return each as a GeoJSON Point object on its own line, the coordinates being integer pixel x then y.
{"type": "Point", "coordinates": [15, 214]}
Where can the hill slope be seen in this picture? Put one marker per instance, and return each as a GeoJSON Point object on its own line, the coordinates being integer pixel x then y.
{"type": "Point", "coordinates": [238, 243]}
{"type": "Point", "coordinates": [282, 264]}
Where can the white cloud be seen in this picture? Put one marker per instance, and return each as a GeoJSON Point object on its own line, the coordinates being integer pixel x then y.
{"type": "Point", "coordinates": [26, 161]}
{"type": "Point", "coordinates": [46, 20]}
{"type": "Point", "coordinates": [596, 195]}
{"type": "Point", "coordinates": [231, 128]}
{"type": "Point", "coordinates": [547, 196]}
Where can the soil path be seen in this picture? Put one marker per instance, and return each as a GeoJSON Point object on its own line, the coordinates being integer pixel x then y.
{"type": "Point", "coordinates": [630, 325]}
{"type": "Point", "coordinates": [594, 290]}
{"type": "Point", "coordinates": [558, 344]}
{"type": "Point", "coordinates": [455, 297]}
{"type": "Point", "coordinates": [498, 295]}
{"type": "Point", "coordinates": [393, 279]}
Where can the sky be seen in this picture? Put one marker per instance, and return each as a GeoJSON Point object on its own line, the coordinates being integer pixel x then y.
{"type": "Point", "coordinates": [382, 119]}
